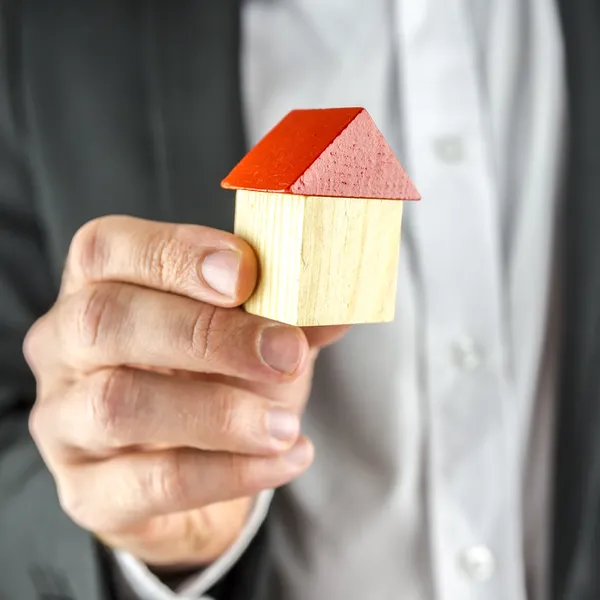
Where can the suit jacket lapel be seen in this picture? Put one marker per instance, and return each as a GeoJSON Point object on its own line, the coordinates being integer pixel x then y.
{"type": "Point", "coordinates": [195, 107]}
{"type": "Point", "coordinates": [147, 95]}
{"type": "Point", "coordinates": [576, 560]}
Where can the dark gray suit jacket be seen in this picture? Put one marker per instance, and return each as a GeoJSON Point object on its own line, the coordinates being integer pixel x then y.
{"type": "Point", "coordinates": [132, 106]}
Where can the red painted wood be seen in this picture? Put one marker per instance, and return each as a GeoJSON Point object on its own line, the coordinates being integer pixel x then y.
{"type": "Point", "coordinates": [357, 164]}
{"type": "Point", "coordinates": [284, 154]}
{"type": "Point", "coordinates": [324, 152]}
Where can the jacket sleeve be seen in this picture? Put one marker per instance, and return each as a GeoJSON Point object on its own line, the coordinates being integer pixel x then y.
{"type": "Point", "coordinates": [247, 578]}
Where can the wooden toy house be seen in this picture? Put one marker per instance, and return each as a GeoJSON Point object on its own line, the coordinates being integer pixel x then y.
{"type": "Point", "coordinates": [319, 198]}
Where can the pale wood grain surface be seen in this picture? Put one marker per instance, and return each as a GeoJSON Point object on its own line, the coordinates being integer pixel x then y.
{"type": "Point", "coordinates": [272, 225]}
{"type": "Point", "coordinates": [323, 261]}
{"type": "Point", "coordinates": [349, 261]}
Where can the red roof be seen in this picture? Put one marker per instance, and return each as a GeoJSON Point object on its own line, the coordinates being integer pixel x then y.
{"type": "Point", "coordinates": [324, 152]}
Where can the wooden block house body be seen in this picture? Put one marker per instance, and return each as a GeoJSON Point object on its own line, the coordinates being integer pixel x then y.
{"type": "Point", "coordinates": [319, 198]}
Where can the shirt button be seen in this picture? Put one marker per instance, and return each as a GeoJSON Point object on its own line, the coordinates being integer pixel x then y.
{"type": "Point", "coordinates": [449, 149]}
{"type": "Point", "coordinates": [466, 354]}
{"type": "Point", "coordinates": [478, 563]}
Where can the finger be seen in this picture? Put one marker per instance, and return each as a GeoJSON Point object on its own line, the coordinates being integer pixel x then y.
{"type": "Point", "coordinates": [321, 336]}
{"type": "Point", "coordinates": [116, 493]}
{"type": "Point", "coordinates": [119, 324]}
{"type": "Point", "coordinates": [292, 394]}
{"type": "Point", "coordinates": [289, 395]}
{"type": "Point", "coordinates": [39, 348]}
{"type": "Point", "coordinates": [114, 409]}
{"type": "Point", "coordinates": [203, 263]}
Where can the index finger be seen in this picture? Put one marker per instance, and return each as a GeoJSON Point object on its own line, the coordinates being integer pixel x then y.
{"type": "Point", "coordinates": [205, 264]}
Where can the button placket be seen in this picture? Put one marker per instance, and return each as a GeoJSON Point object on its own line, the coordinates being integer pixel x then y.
{"type": "Point", "coordinates": [466, 353]}
{"type": "Point", "coordinates": [478, 563]}
{"type": "Point", "coordinates": [458, 240]}
{"type": "Point", "coordinates": [449, 149]}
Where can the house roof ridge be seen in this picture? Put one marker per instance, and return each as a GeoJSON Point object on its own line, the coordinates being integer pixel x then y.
{"type": "Point", "coordinates": [359, 110]}
{"type": "Point", "coordinates": [337, 152]}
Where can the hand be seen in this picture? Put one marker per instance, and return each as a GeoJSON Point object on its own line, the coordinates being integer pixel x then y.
{"type": "Point", "coordinates": [162, 409]}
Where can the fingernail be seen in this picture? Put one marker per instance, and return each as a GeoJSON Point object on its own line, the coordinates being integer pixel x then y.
{"type": "Point", "coordinates": [283, 426]}
{"type": "Point", "coordinates": [281, 348]}
{"type": "Point", "coordinates": [300, 454]}
{"type": "Point", "coordinates": [220, 270]}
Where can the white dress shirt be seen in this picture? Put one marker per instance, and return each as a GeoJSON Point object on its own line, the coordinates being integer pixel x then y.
{"type": "Point", "coordinates": [433, 433]}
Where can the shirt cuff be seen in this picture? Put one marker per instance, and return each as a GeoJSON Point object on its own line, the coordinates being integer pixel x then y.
{"type": "Point", "coordinates": [137, 582]}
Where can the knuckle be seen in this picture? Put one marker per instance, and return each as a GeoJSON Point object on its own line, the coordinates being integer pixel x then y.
{"type": "Point", "coordinates": [36, 423]}
{"type": "Point", "coordinates": [87, 251]}
{"type": "Point", "coordinates": [95, 308]}
{"type": "Point", "coordinates": [72, 503]}
{"type": "Point", "coordinates": [167, 260]}
{"type": "Point", "coordinates": [42, 431]}
{"type": "Point", "coordinates": [241, 474]}
{"type": "Point", "coordinates": [204, 338]}
{"type": "Point", "coordinates": [167, 482]}
{"type": "Point", "coordinates": [33, 342]}
{"type": "Point", "coordinates": [109, 400]}
{"type": "Point", "coordinates": [227, 419]}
